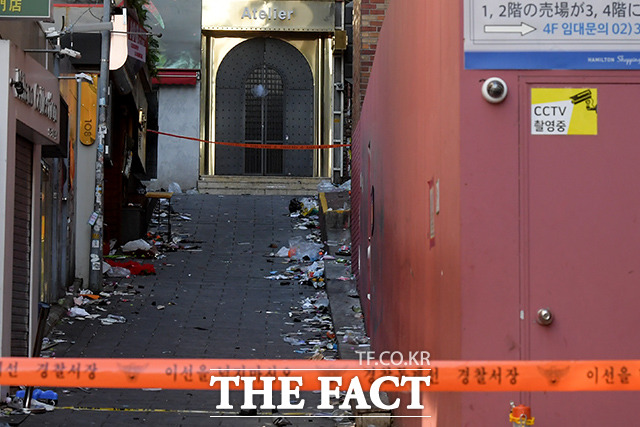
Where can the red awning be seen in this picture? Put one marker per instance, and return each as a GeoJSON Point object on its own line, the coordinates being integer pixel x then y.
{"type": "Point", "coordinates": [177, 77]}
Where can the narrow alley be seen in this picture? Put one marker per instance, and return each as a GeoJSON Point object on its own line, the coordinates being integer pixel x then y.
{"type": "Point", "coordinates": [208, 299]}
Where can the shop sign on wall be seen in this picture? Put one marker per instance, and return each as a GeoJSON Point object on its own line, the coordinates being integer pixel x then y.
{"type": "Point", "coordinates": [25, 8]}
{"type": "Point", "coordinates": [283, 15]}
{"type": "Point", "coordinates": [543, 35]}
{"type": "Point", "coordinates": [564, 111]}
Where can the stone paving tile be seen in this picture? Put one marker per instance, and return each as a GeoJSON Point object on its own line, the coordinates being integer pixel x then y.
{"type": "Point", "coordinates": [217, 305]}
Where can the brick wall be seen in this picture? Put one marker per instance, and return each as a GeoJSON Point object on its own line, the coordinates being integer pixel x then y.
{"type": "Point", "coordinates": [368, 16]}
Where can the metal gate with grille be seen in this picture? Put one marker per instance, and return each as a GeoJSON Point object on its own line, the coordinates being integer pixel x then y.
{"type": "Point", "coordinates": [263, 121]}
{"type": "Point", "coordinates": [264, 95]}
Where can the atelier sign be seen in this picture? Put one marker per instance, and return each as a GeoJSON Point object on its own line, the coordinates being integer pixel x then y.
{"type": "Point", "coordinates": [267, 14]}
{"type": "Point", "coordinates": [283, 15]}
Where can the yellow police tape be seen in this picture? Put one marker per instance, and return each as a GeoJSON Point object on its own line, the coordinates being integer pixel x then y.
{"type": "Point", "coordinates": [145, 410]}
{"type": "Point", "coordinates": [176, 411]}
{"type": "Point", "coordinates": [193, 374]}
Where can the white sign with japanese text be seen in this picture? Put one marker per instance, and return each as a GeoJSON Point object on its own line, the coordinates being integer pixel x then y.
{"type": "Point", "coordinates": [585, 34]}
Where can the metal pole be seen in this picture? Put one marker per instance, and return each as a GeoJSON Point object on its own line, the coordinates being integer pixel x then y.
{"type": "Point", "coordinates": [95, 273]}
{"type": "Point", "coordinates": [74, 184]}
{"type": "Point", "coordinates": [43, 315]}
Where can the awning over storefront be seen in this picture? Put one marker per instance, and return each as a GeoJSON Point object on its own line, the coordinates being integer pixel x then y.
{"type": "Point", "coordinates": [177, 77]}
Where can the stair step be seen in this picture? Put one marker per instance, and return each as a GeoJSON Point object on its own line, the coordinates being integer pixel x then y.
{"type": "Point", "coordinates": [258, 185]}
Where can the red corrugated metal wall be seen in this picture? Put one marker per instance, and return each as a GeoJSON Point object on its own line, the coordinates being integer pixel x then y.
{"type": "Point", "coordinates": [355, 213]}
{"type": "Point", "coordinates": [407, 142]}
{"type": "Point", "coordinates": [508, 237]}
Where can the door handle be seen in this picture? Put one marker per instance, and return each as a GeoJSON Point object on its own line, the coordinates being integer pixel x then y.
{"type": "Point", "coordinates": [544, 317]}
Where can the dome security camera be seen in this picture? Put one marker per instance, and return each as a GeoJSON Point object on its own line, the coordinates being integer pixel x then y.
{"type": "Point", "coordinates": [494, 90]}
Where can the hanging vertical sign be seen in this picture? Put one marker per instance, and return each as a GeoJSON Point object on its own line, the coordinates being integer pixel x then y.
{"type": "Point", "coordinates": [564, 111]}
{"type": "Point", "coordinates": [137, 40]}
{"type": "Point", "coordinates": [89, 112]}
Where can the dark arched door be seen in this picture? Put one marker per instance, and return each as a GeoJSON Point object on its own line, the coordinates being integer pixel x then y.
{"type": "Point", "coordinates": [264, 95]}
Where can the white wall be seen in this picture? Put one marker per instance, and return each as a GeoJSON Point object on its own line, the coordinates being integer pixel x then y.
{"type": "Point", "coordinates": [178, 159]}
{"type": "Point", "coordinates": [84, 199]}
{"type": "Point", "coordinates": [7, 186]}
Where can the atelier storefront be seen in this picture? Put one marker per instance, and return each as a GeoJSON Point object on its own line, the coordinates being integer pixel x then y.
{"type": "Point", "coordinates": [267, 79]}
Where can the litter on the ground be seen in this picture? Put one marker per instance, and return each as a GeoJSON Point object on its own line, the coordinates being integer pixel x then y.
{"type": "Point", "coordinates": [133, 267]}
{"type": "Point", "coordinates": [78, 312]}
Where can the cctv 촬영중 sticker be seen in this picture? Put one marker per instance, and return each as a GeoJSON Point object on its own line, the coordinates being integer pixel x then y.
{"type": "Point", "coordinates": [564, 111]}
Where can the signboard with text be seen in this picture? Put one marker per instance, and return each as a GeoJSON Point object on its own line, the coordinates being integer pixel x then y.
{"type": "Point", "coordinates": [578, 35]}
{"type": "Point", "coordinates": [564, 111]}
{"type": "Point", "coordinates": [33, 94]}
{"type": "Point", "coordinates": [25, 8]}
{"type": "Point", "coordinates": [283, 15]}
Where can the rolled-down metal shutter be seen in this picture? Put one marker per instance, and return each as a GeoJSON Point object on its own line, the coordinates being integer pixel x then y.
{"type": "Point", "coordinates": [21, 249]}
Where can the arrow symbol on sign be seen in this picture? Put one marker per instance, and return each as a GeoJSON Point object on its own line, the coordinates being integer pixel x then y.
{"type": "Point", "coordinates": [523, 28]}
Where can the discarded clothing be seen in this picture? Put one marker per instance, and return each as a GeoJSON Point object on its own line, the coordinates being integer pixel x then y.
{"type": "Point", "coordinates": [134, 267]}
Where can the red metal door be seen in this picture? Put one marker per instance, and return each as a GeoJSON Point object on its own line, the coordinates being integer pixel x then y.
{"type": "Point", "coordinates": [580, 249]}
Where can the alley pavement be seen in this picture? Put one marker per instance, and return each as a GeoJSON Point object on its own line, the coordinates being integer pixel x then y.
{"type": "Point", "coordinates": [208, 299]}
